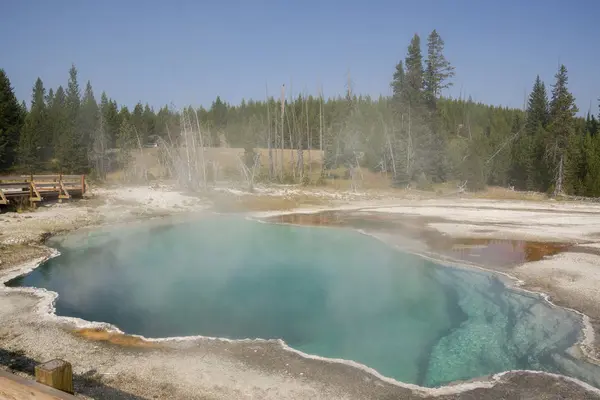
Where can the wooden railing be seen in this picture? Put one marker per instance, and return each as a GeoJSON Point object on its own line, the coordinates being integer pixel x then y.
{"type": "Point", "coordinates": [37, 188]}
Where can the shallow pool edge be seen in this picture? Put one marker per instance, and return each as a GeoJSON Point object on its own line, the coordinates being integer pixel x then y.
{"type": "Point", "coordinates": [45, 308]}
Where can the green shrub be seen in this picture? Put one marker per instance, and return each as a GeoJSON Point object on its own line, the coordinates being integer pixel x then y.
{"type": "Point", "coordinates": [423, 183]}
{"type": "Point", "coordinates": [305, 180]}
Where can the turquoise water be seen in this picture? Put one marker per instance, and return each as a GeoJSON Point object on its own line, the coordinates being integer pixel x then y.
{"type": "Point", "coordinates": [325, 291]}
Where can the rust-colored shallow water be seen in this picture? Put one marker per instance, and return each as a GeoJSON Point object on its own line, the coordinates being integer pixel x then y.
{"type": "Point", "coordinates": [492, 252]}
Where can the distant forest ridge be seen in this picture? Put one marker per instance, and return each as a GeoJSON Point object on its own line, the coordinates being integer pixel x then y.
{"type": "Point", "coordinates": [413, 135]}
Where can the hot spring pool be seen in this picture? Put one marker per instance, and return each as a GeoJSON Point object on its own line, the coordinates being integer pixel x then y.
{"type": "Point", "coordinates": [325, 291]}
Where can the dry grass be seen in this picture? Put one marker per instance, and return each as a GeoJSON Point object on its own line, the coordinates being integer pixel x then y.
{"type": "Point", "coordinates": [228, 203]}
{"type": "Point", "coordinates": [228, 162]}
{"type": "Point", "coordinates": [500, 193]}
{"type": "Point", "coordinates": [228, 157]}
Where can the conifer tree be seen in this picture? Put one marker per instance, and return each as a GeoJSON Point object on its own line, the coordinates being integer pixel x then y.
{"type": "Point", "coordinates": [529, 163]}
{"type": "Point", "coordinates": [126, 142]}
{"type": "Point", "coordinates": [592, 126]}
{"type": "Point", "coordinates": [124, 115]}
{"type": "Point", "coordinates": [149, 121]}
{"type": "Point", "coordinates": [110, 119]}
{"type": "Point", "coordinates": [58, 122]}
{"type": "Point", "coordinates": [137, 120]}
{"type": "Point", "coordinates": [11, 122]}
{"type": "Point", "coordinates": [89, 117]}
{"type": "Point", "coordinates": [413, 91]}
{"type": "Point", "coordinates": [538, 113]}
{"type": "Point", "coordinates": [473, 167]}
{"type": "Point", "coordinates": [218, 112]}
{"type": "Point", "coordinates": [73, 100]}
{"type": "Point", "coordinates": [72, 152]}
{"type": "Point", "coordinates": [50, 98]}
{"type": "Point", "coordinates": [32, 141]}
{"type": "Point", "coordinates": [103, 109]}
{"type": "Point", "coordinates": [439, 70]}
{"type": "Point", "coordinates": [561, 126]}
{"type": "Point", "coordinates": [592, 165]}
{"type": "Point", "coordinates": [48, 138]}
{"type": "Point", "coordinates": [398, 82]}
{"type": "Point", "coordinates": [99, 148]}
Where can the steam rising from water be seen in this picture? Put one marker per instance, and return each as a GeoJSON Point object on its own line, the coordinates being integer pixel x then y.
{"type": "Point", "coordinates": [331, 292]}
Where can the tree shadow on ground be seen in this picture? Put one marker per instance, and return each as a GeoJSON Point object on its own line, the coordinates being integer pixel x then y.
{"type": "Point", "coordinates": [88, 383]}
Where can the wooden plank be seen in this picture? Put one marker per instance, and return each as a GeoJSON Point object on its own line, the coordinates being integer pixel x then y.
{"type": "Point", "coordinates": [14, 387]}
{"type": "Point", "coordinates": [50, 176]}
{"type": "Point", "coordinates": [34, 194]}
{"type": "Point", "coordinates": [3, 199]}
{"type": "Point", "coordinates": [55, 373]}
{"type": "Point", "coordinates": [63, 193]}
{"type": "Point", "coordinates": [14, 184]}
{"type": "Point", "coordinates": [54, 186]}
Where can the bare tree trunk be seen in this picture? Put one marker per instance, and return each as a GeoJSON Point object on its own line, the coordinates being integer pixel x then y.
{"type": "Point", "coordinates": [201, 151]}
{"type": "Point", "coordinates": [249, 173]}
{"type": "Point", "coordinates": [559, 180]}
{"type": "Point", "coordinates": [276, 143]}
{"type": "Point", "coordinates": [98, 152]}
{"type": "Point", "coordinates": [309, 137]}
{"type": "Point", "coordinates": [187, 149]}
{"type": "Point", "coordinates": [409, 144]}
{"type": "Point", "coordinates": [321, 119]}
{"type": "Point", "coordinates": [271, 171]}
{"type": "Point", "coordinates": [322, 153]}
{"type": "Point", "coordinates": [143, 162]}
{"type": "Point", "coordinates": [293, 129]}
{"type": "Point", "coordinates": [290, 128]}
{"type": "Point", "coordinates": [194, 155]}
{"type": "Point", "coordinates": [391, 152]}
{"type": "Point", "coordinates": [300, 150]}
{"type": "Point", "coordinates": [282, 116]}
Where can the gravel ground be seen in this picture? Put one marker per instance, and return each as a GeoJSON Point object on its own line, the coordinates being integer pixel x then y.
{"type": "Point", "coordinates": [119, 367]}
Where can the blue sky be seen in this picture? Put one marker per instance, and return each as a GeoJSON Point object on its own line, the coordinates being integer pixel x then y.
{"type": "Point", "coordinates": [188, 52]}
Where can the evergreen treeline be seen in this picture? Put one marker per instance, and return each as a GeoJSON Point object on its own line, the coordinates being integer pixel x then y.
{"type": "Point", "coordinates": [413, 135]}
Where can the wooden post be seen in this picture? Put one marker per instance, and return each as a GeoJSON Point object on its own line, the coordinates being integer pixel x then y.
{"type": "Point", "coordinates": [57, 374]}
{"type": "Point", "coordinates": [82, 185]}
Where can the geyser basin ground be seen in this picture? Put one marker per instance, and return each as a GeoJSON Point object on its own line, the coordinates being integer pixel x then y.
{"type": "Point", "coordinates": [330, 292]}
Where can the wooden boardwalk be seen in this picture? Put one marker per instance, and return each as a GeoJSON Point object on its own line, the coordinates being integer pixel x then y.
{"type": "Point", "coordinates": [14, 387]}
{"type": "Point", "coordinates": [36, 188]}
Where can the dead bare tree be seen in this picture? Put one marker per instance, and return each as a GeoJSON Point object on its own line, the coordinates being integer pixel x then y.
{"type": "Point", "coordinates": [290, 128]}
{"type": "Point", "coordinates": [249, 173]}
{"type": "Point", "coordinates": [309, 136]}
{"type": "Point", "coordinates": [558, 189]}
{"type": "Point", "coordinates": [185, 160]}
{"type": "Point", "coordinates": [201, 151]}
{"type": "Point", "coordinates": [321, 118]}
{"type": "Point", "coordinates": [98, 152]}
{"type": "Point", "coordinates": [271, 170]}
{"type": "Point", "coordinates": [282, 131]}
{"type": "Point", "coordinates": [187, 149]}
{"type": "Point", "coordinates": [389, 145]}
